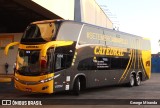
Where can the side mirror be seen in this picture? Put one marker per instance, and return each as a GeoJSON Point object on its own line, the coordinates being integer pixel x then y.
{"type": "Point", "coordinates": [9, 45]}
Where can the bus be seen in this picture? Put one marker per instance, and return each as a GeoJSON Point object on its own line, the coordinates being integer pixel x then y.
{"type": "Point", "coordinates": [64, 55]}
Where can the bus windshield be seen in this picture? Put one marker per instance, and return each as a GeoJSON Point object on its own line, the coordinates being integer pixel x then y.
{"type": "Point", "coordinates": [39, 32]}
{"type": "Point", "coordinates": [28, 63]}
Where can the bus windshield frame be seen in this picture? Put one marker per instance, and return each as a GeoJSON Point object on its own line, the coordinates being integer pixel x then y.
{"type": "Point", "coordinates": [40, 32]}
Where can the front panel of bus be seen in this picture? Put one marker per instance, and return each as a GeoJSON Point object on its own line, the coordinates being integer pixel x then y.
{"type": "Point", "coordinates": [42, 61]}
{"type": "Point", "coordinates": [33, 75]}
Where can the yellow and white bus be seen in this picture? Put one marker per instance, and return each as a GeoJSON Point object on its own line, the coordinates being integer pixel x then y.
{"type": "Point", "coordinates": [59, 55]}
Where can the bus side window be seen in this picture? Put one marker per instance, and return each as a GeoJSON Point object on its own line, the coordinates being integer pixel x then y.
{"type": "Point", "coordinates": [124, 62]}
{"type": "Point", "coordinates": [60, 62]}
{"type": "Point", "coordinates": [116, 63]}
{"type": "Point", "coordinates": [68, 61]}
{"type": "Point", "coordinates": [103, 63]}
{"type": "Point", "coordinates": [63, 61]}
{"type": "Point", "coordinates": [86, 64]}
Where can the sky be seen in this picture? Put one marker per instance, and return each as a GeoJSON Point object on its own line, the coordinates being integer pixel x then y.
{"type": "Point", "coordinates": [139, 17]}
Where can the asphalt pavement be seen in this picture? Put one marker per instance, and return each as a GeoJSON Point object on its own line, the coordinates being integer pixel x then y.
{"type": "Point", "coordinates": [109, 96]}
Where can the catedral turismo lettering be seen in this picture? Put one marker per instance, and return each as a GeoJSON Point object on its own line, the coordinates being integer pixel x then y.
{"type": "Point", "coordinates": [100, 50]}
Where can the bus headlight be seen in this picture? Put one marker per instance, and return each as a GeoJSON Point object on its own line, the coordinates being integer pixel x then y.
{"type": "Point", "coordinates": [46, 80]}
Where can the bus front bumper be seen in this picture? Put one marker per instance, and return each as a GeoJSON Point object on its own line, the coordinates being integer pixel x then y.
{"type": "Point", "coordinates": [38, 84]}
{"type": "Point", "coordinates": [38, 88]}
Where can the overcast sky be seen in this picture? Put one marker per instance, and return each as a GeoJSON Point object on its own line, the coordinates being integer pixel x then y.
{"type": "Point", "coordinates": [139, 17]}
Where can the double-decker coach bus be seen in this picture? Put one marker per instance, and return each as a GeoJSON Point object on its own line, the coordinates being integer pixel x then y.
{"type": "Point", "coordinates": [59, 55]}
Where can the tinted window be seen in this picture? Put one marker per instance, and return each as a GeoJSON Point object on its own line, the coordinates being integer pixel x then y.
{"type": "Point", "coordinates": [124, 62]}
{"type": "Point", "coordinates": [103, 63]}
{"type": "Point", "coordinates": [91, 35]}
{"type": "Point", "coordinates": [62, 61]}
{"type": "Point", "coordinates": [94, 63]}
{"type": "Point", "coordinates": [39, 32]}
{"type": "Point", "coordinates": [116, 63]}
{"type": "Point", "coordinates": [69, 31]}
{"type": "Point", "coordinates": [68, 60]}
{"type": "Point", "coordinates": [119, 63]}
{"type": "Point", "coordinates": [87, 64]}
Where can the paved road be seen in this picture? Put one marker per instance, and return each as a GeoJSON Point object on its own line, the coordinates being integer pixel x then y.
{"type": "Point", "coordinates": [149, 89]}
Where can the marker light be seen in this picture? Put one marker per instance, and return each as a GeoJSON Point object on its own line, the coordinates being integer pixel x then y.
{"type": "Point", "coordinates": [46, 80]}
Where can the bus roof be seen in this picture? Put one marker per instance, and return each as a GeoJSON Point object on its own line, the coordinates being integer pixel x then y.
{"type": "Point", "coordinates": [46, 21]}
{"type": "Point", "coordinates": [111, 30]}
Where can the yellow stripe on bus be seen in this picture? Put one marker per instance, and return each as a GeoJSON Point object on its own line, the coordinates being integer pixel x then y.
{"type": "Point", "coordinates": [127, 66]}
{"type": "Point", "coordinates": [132, 60]}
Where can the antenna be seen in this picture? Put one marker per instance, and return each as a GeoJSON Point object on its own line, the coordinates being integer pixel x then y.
{"type": "Point", "coordinates": [111, 16]}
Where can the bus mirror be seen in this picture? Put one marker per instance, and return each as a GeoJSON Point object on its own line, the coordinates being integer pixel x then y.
{"type": "Point", "coordinates": [9, 45]}
{"type": "Point", "coordinates": [54, 44]}
{"type": "Point", "coordinates": [45, 48]}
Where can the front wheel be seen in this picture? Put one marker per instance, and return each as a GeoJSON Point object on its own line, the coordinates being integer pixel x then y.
{"type": "Point", "coordinates": [138, 80]}
{"type": "Point", "coordinates": [77, 87]}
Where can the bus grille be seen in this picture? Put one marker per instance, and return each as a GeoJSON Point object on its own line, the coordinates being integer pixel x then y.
{"type": "Point", "coordinates": [28, 82]}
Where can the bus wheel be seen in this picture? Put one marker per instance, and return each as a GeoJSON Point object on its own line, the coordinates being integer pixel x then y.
{"type": "Point", "coordinates": [138, 80]}
{"type": "Point", "coordinates": [131, 81]}
{"type": "Point", "coordinates": [77, 87]}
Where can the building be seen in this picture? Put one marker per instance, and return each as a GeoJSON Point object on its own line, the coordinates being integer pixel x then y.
{"type": "Point", "coordinates": [15, 15]}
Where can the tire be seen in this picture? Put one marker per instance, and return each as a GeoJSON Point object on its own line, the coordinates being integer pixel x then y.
{"type": "Point", "coordinates": [131, 80]}
{"type": "Point", "coordinates": [138, 80]}
{"type": "Point", "coordinates": [77, 87]}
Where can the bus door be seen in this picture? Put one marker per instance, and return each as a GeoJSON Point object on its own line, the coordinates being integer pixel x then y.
{"type": "Point", "coordinates": [60, 72]}
{"type": "Point", "coordinates": [56, 64]}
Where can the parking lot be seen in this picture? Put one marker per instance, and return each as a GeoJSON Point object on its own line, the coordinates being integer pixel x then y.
{"type": "Point", "coordinates": [112, 96]}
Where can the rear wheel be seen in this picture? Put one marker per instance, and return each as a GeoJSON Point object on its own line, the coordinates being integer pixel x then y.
{"type": "Point", "coordinates": [138, 80]}
{"type": "Point", "coordinates": [131, 81]}
{"type": "Point", "coordinates": [77, 87]}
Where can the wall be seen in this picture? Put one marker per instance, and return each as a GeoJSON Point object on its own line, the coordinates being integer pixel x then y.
{"type": "Point", "coordinates": [62, 8]}
{"type": "Point", "coordinates": [11, 58]}
{"type": "Point", "coordinates": [89, 11]}
{"type": "Point", "coordinates": [93, 14]}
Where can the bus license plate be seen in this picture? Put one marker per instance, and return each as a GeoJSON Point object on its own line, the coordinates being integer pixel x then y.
{"type": "Point", "coordinates": [29, 89]}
